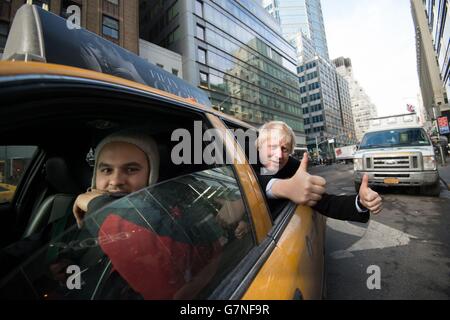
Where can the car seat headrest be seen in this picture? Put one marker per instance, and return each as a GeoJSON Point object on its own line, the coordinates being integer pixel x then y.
{"type": "Point", "coordinates": [60, 176]}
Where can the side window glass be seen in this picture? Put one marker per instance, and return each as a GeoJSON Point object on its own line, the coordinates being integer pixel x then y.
{"type": "Point", "coordinates": [178, 239]}
{"type": "Point", "coordinates": [246, 138]}
{"type": "Point", "coordinates": [14, 160]}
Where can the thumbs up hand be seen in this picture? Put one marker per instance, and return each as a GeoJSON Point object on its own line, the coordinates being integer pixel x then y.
{"type": "Point", "coordinates": [306, 189]}
{"type": "Point", "coordinates": [369, 198]}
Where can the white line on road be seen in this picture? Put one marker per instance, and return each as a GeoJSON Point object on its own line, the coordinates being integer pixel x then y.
{"type": "Point", "coordinates": [376, 236]}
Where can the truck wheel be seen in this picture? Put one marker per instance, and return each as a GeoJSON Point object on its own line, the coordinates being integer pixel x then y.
{"type": "Point", "coordinates": [433, 191]}
{"type": "Point", "coordinates": [357, 186]}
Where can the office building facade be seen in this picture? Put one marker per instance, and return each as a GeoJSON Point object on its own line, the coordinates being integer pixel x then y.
{"type": "Point", "coordinates": [234, 50]}
{"type": "Point", "coordinates": [326, 106]}
{"type": "Point", "coordinates": [432, 53]}
{"type": "Point", "coordinates": [347, 136]}
{"type": "Point", "coordinates": [165, 59]}
{"type": "Point", "coordinates": [300, 16]}
{"type": "Point", "coordinates": [362, 107]}
{"type": "Point", "coordinates": [439, 23]}
{"type": "Point", "coordinates": [114, 20]}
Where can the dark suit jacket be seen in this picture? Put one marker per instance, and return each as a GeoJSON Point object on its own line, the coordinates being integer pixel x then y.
{"type": "Point", "coordinates": [337, 207]}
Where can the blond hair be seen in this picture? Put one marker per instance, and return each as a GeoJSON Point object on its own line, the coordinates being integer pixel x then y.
{"type": "Point", "coordinates": [280, 126]}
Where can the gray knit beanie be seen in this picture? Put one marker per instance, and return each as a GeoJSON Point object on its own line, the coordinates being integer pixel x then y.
{"type": "Point", "coordinates": [139, 139]}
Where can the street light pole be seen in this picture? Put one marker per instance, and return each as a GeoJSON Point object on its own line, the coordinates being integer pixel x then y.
{"type": "Point", "coordinates": [317, 147]}
{"type": "Point", "coordinates": [317, 150]}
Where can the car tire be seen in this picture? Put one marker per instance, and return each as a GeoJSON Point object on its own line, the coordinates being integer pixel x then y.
{"type": "Point", "coordinates": [433, 190]}
{"type": "Point", "coordinates": [357, 186]}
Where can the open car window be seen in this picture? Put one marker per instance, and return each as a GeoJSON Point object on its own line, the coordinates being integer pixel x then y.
{"type": "Point", "coordinates": [175, 240]}
{"type": "Point", "coordinates": [14, 161]}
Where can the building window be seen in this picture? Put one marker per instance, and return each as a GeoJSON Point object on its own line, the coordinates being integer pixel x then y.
{"type": "Point", "coordinates": [4, 28]}
{"type": "Point", "coordinates": [203, 79]}
{"type": "Point", "coordinates": [160, 65]}
{"type": "Point", "coordinates": [201, 32]}
{"type": "Point", "coordinates": [172, 37]}
{"type": "Point", "coordinates": [175, 72]}
{"type": "Point", "coordinates": [172, 12]}
{"type": "Point", "coordinates": [199, 8]}
{"type": "Point", "coordinates": [110, 27]}
{"type": "Point", "coordinates": [111, 7]}
{"type": "Point", "coordinates": [202, 55]}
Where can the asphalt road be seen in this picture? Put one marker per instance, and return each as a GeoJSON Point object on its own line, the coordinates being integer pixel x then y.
{"type": "Point", "coordinates": [407, 245]}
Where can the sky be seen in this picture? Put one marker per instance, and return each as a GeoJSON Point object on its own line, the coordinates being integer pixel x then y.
{"type": "Point", "coordinates": [379, 37]}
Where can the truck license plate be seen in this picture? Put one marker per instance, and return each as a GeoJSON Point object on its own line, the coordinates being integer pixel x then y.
{"type": "Point", "coordinates": [391, 181]}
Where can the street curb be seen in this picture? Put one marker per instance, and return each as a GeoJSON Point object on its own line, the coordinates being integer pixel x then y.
{"type": "Point", "coordinates": [447, 185]}
{"type": "Point", "coordinates": [444, 175]}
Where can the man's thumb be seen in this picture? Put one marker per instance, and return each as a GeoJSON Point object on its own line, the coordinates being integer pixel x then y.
{"type": "Point", "coordinates": [304, 163]}
{"type": "Point", "coordinates": [365, 181]}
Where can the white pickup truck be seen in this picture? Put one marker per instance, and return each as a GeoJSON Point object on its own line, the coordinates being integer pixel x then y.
{"type": "Point", "coordinates": [396, 151]}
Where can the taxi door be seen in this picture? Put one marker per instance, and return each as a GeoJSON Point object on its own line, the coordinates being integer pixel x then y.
{"type": "Point", "coordinates": [291, 264]}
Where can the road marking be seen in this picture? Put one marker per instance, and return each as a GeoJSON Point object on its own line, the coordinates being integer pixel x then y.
{"type": "Point", "coordinates": [376, 236]}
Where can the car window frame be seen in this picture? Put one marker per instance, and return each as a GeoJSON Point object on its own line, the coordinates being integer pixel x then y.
{"type": "Point", "coordinates": [238, 282]}
{"type": "Point", "coordinates": [248, 268]}
{"type": "Point", "coordinates": [261, 227]}
{"type": "Point", "coordinates": [226, 286]}
{"type": "Point", "coordinates": [287, 210]}
{"type": "Point", "coordinates": [175, 105]}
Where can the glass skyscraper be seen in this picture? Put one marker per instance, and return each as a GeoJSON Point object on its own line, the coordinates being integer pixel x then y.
{"type": "Point", "coordinates": [235, 51]}
{"type": "Point", "coordinates": [300, 16]}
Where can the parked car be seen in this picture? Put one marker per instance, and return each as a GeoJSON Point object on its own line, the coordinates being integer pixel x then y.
{"type": "Point", "coordinates": [64, 111]}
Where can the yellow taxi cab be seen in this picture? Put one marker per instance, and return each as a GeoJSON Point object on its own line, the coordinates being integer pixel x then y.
{"type": "Point", "coordinates": [6, 192]}
{"type": "Point", "coordinates": [53, 102]}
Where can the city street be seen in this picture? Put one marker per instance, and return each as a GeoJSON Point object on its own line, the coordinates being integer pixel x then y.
{"type": "Point", "coordinates": [409, 242]}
